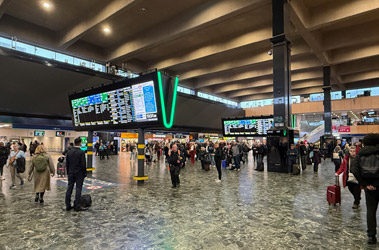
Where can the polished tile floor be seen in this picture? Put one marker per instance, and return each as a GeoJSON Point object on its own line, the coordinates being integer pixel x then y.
{"type": "Point", "coordinates": [247, 210]}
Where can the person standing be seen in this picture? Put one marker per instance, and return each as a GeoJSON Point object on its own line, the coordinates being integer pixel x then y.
{"type": "Point", "coordinates": [132, 153]}
{"type": "Point", "coordinates": [236, 156]}
{"type": "Point", "coordinates": [15, 154]}
{"type": "Point", "coordinates": [366, 170]}
{"type": "Point", "coordinates": [218, 158]}
{"type": "Point", "coordinates": [42, 167]}
{"type": "Point", "coordinates": [337, 156]}
{"type": "Point", "coordinates": [192, 152]}
{"type": "Point", "coordinates": [292, 155]}
{"type": "Point", "coordinates": [174, 164]}
{"type": "Point", "coordinates": [4, 153]}
{"type": "Point", "coordinates": [76, 171]}
{"type": "Point", "coordinates": [303, 155]}
{"type": "Point", "coordinates": [348, 178]}
{"type": "Point", "coordinates": [97, 146]}
{"type": "Point", "coordinates": [316, 159]}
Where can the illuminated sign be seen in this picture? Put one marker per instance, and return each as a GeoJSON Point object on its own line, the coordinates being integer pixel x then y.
{"type": "Point", "coordinates": [39, 133]}
{"type": "Point", "coordinates": [60, 133]}
{"type": "Point", "coordinates": [249, 126]}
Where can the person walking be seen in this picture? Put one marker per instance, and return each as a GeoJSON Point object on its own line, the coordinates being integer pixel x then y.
{"type": "Point", "coordinates": [174, 164]}
{"type": "Point", "coordinates": [316, 159]}
{"type": "Point", "coordinates": [192, 152]}
{"type": "Point", "coordinates": [15, 154]}
{"type": "Point", "coordinates": [41, 168]}
{"type": "Point", "coordinates": [337, 156]}
{"type": "Point", "coordinates": [236, 156]}
{"type": "Point", "coordinates": [218, 158]}
{"type": "Point", "coordinates": [292, 155]}
{"type": "Point", "coordinates": [365, 168]}
{"type": "Point", "coordinates": [76, 171]}
{"type": "Point", "coordinates": [303, 155]}
{"type": "Point", "coordinates": [4, 153]}
{"type": "Point", "coordinates": [132, 152]}
{"type": "Point", "coordinates": [349, 179]}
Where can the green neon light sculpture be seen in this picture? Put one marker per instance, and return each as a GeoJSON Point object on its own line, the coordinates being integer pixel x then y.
{"type": "Point", "coordinates": [163, 106]}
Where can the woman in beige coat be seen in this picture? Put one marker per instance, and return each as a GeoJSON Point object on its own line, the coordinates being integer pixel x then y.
{"type": "Point", "coordinates": [42, 167]}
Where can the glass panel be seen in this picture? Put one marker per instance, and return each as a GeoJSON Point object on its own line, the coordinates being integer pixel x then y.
{"type": "Point", "coordinates": [316, 97]}
{"type": "Point", "coordinates": [336, 95]}
{"type": "Point", "coordinates": [5, 42]}
{"type": "Point", "coordinates": [64, 58]}
{"type": "Point", "coordinates": [45, 53]}
{"type": "Point", "coordinates": [375, 91]}
{"type": "Point", "coordinates": [23, 47]}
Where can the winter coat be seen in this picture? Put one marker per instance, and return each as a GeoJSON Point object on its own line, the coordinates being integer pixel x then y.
{"type": "Point", "coordinates": [316, 156]}
{"type": "Point", "coordinates": [356, 167]}
{"type": "Point", "coordinates": [344, 168]}
{"type": "Point", "coordinates": [42, 179]}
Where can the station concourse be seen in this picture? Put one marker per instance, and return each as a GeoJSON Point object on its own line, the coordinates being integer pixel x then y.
{"type": "Point", "coordinates": [199, 124]}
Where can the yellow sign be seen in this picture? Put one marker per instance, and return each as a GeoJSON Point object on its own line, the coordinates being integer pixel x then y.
{"type": "Point", "coordinates": [129, 136]}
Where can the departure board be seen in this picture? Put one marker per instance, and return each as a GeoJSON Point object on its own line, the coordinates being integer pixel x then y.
{"type": "Point", "coordinates": [122, 106]}
{"type": "Point", "coordinates": [247, 126]}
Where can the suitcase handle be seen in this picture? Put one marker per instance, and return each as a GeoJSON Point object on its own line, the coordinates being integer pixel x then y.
{"type": "Point", "coordinates": [337, 180]}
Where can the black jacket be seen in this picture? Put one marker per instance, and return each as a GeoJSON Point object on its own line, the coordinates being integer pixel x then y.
{"type": "Point", "coordinates": [357, 167]}
{"type": "Point", "coordinates": [174, 158]}
{"type": "Point", "coordinates": [76, 161]}
{"type": "Point", "coordinates": [4, 153]}
{"type": "Point", "coordinates": [218, 154]}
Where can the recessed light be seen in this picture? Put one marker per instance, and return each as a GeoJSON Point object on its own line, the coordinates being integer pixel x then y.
{"type": "Point", "coordinates": [46, 5]}
{"type": "Point", "coordinates": [107, 30]}
{"type": "Point", "coordinates": [143, 9]}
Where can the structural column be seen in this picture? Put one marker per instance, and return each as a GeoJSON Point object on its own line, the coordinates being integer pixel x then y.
{"type": "Point", "coordinates": [141, 157]}
{"type": "Point", "coordinates": [327, 102]}
{"type": "Point", "coordinates": [89, 152]}
{"type": "Point", "coordinates": [281, 67]}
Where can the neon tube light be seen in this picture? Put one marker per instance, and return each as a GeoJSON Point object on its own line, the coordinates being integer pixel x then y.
{"type": "Point", "coordinates": [163, 106]}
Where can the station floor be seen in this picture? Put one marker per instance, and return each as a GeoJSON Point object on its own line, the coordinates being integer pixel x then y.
{"type": "Point", "coordinates": [247, 210]}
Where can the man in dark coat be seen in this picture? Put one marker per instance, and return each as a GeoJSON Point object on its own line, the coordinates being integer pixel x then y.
{"type": "Point", "coordinates": [76, 171]}
{"type": "Point", "coordinates": [366, 170]}
{"type": "Point", "coordinates": [174, 163]}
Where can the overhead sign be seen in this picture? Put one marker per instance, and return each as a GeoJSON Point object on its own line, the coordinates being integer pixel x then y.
{"type": "Point", "coordinates": [248, 126]}
{"type": "Point", "coordinates": [60, 133]}
{"type": "Point", "coordinates": [39, 133]}
{"type": "Point", "coordinates": [132, 103]}
{"type": "Point", "coordinates": [344, 129]}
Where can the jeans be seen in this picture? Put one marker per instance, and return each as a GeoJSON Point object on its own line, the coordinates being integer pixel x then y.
{"type": "Point", "coordinates": [237, 161]}
{"type": "Point", "coordinates": [76, 179]}
{"type": "Point", "coordinates": [212, 159]}
{"type": "Point", "coordinates": [132, 155]}
{"type": "Point", "coordinates": [315, 167]}
{"type": "Point", "coordinates": [303, 159]}
{"type": "Point", "coordinates": [202, 164]}
{"type": "Point", "coordinates": [290, 165]}
{"type": "Point", "coordinates": [245, 156]}
{"type": "Point", "coordinates": [355, 190]}
{"type": "Point", "coordinates": [175, 171]}
{"type": "Point", "coordinates": [218, 166]}
{"type": "Point", "coordinates": [337, 164]}
{"type": "Point", "coordinates": [372, 199]}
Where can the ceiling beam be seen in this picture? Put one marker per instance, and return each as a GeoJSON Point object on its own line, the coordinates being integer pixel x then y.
{"type": "Point", "coordinates": [373, 74]}
{"type": "Point", "coordinates": [260, 34]}
{"type": "Point", "coordinates": [353, 53]}
{"type": "Point", "coordinates": [73, 33]}
{"type": "Point", "coordinates": [4, 4]}
{"type": "Point", "coordinates": [339, 11]}
{"type": "Point", "coordinates": [191, 21]}
{"type": "Point", "coordinates": [370, 63]}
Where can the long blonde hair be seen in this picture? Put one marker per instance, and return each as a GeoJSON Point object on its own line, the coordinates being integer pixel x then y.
{"type": "Point", "coordinates": [40, 149]}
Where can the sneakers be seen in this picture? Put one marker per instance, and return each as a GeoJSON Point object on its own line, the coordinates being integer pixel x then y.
{"type": "Point", "coordinates": [217, 180]}
{"type": "Point", "coordinates": [22, 183]}
{"type": "Point", "coordinates": [371, 240]}
{"type": "Point", "coordinates": [355, 206]}
{"type": "Point", "coordinates": [12, 186]}
{"type": "Point", "coordinates": [238, 169]}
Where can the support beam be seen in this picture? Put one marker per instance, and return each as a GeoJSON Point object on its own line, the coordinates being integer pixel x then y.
{"type": "Point", "coordinates": [191, 21]}
{"type": "Point", "coordinates": [73, 33]}
{"type": "Point", "coordinates": [327, 101]}
{"type": "Point", "coordinates": [4, 4]}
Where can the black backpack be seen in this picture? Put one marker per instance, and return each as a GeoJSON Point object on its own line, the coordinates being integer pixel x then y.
{"type": "Point", "coordinates": [21, 162]}
{"type": "Point", "coordinates": [207, 159]}
{"type": "Point", "coordinates": [370, 166]}
{"type": "Point", "coordinates": [86, 201]}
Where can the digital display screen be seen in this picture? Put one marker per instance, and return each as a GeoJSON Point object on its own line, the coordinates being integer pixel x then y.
{"type": "Point", "coordinates": [249, 126]}
{"type": "Point", "coordinates": [60, 133]}
{"type": "Point", "coordinates": [39, 133]}
{"type": "Point", "coordinates": [124, 104]}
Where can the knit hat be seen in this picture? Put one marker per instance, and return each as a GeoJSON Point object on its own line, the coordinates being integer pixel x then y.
{"type": "Point", "coordinates": [371, 140]}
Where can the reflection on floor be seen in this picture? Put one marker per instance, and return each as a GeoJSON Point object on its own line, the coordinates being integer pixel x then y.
{"type": "Point", "coordinates": [247, 210]}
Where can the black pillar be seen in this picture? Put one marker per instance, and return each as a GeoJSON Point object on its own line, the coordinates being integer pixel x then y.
{"type": "Point", "coordinates": [141, 157]}
{"type": "Point", "coordinates": [327, 101]}
{"type": "Point", "coordinates": [89, 152]}
{"type": "Point", "coordinates": [281, 67]}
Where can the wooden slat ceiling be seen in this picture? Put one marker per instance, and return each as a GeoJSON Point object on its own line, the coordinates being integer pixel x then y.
{"type": "Point", "coordinates": [216, 46]}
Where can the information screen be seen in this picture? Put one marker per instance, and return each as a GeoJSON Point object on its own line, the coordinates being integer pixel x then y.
{"type": "Point", "coordinates": [112, 106]}
{"type": "Point", "coordinates": [39, 133]}
{"type": "Point", "coordinates": [249, 126]}
{"type": "Point", "coordinates": [60, 133]}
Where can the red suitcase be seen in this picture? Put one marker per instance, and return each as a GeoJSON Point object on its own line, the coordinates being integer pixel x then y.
{"type": "Point", "coordinates": [333, 194]}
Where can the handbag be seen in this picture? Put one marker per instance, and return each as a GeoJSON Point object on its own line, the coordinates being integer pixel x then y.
{"type": "Point", "coordinates": [352, 178]}
{"type": "Point", "coordinates": [336, 156]}
{"type": "Point", "coordinates": [13, 158]}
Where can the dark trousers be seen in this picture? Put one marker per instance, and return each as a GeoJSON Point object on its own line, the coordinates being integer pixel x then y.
{"type": "Point", "coordinates": [372, 199]}
{"type": "Point", "coordinates": [76, 179]}
{"type": "Point", "coordinates": [218, 166]}
{"type": "Point", "coordinates": [202, 164]}
{"type": "Point", "coordinates": [303, 159]}
{"type": "Point", "coordinates": [315, 167]}
{"type": "Point", "coordinates": [255, 155]}
{"type": "Point", "coordinates": [355, 190]}
{"type": "Point", "coordinates": [337, 164]}
{"type": "Point", "coordinates": [237, 161]}
{"type": "Point", "coordinates": [1, 168]}
{"type": "Point", "coordinates": [259, 158]}
{"type": "Point", "coordinates": [174, 171]}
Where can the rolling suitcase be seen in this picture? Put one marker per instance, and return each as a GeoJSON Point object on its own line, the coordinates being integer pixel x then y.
{"type": "Point", "coordinates": [206, 167]}
{"type": "Point", "coordinates": [333, 194]}
{"type": "Point", "coordinates": [61, 167]}
{"type": "Point", "coordinates": [296, 169]}
{"type": "Point", "coordinates": [223, 164]}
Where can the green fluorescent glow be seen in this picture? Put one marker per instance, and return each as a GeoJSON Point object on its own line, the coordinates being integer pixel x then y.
{"type": "Point", "coordinates": [167, 125]}
{"type": "Point", "coordinates": [285, 132]}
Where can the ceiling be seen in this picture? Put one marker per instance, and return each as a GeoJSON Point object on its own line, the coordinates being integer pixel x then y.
{"type": "Point", "coordinates": [215, 46]}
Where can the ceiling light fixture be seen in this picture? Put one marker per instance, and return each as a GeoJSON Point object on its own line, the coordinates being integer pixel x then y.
{"type": "Point", "coordinates": [107, 30]}
{"type": "Point", "coordinates": [46, 5]}
{"type": "Point", "coordinates": [143, 9]}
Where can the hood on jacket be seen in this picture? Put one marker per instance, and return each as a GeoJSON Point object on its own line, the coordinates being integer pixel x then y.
{"type": "Point", "coordinates": [368, 150]}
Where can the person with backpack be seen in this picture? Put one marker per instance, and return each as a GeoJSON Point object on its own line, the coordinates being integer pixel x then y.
{"type": "Point", "coordinates": [365, 168]}
{"type": "Point", "coordinates": [4, 152]}
{"type": "Point", "coordinates": [76, 171]}
{"type": "Point", "coordinates": [41, 168]}
{"type": "Point", "coordinates": [15, 159]}
{"type": "Point", "coordinates": [245, 150]}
